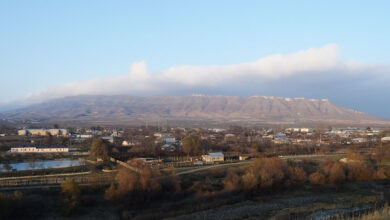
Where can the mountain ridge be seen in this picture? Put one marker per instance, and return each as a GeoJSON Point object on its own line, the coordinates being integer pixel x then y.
{"type": "Point", "coordinates": [127, 109]}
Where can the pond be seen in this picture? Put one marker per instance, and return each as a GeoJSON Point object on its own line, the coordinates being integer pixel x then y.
{"type": "Point", "coordinates": [37, 165]}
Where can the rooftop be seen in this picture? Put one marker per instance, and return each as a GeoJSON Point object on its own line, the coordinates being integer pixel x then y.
{"type": "Point", "coordinates": [216, 154]}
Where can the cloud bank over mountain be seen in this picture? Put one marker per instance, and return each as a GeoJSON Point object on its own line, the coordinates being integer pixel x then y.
{"type": "Point", "coordinates": [314, 72]}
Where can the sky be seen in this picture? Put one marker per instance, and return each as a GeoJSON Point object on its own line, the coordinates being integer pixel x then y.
{"type": "Point", "coordinates": [314, 49]}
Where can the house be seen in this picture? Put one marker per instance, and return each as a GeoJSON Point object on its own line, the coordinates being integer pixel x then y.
{"type": "Point", "coordinates": [144, 161]}
{"type": "Point", "coordinates": [130, 143]}
{"type": "Point", "coordinates": [169, 140]}
{"type": "Point", "coordinates": [40, 149]}
{"type": "Point", "coordinates": [110, 139]}
{"type": "Point", "coordinates": [213, 157]}
{"type": "Point", "coordinates": [306, 130]}
{"type": "Point", "coordinates": [385, 139]}
{"type": "Point", "coordinates": [241, 157]}
{"type": "Point", "coordinates": [168, 147]}
{"type": "Point", "coordinates": [230, 137]}
{"type": "Point", "coordinates": [281, 140]}
{"type": "Point", "coordinates": [280, 134]}
{"type": "Point", "coordinates": [359, 140]}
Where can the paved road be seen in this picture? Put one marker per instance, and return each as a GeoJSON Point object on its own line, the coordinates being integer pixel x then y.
{"type": "Point", "coordinates": [249, 161]}
{"type": "Point", "coordinates": [213, 166]}
{"type": "Point", "coordinates": [309, 156]}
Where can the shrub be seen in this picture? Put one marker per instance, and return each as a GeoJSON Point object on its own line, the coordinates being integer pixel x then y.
{"type": "Point", "coordinates": [317, 178]}
{"type": "Point", "coordinates": [360, 171]}
{"type": "Point", "coordinates": [334, 171]}
{"type": "Point", "coordinates": [70, 192]}
{"type": "Point", "coordinates": [383, 172]}
{"type": "Point", "coordinates": [231, 181]}
{"type": "Point", "coordinates": [10, 205]}
{"type": "Point", "coordinates": [296, 175]}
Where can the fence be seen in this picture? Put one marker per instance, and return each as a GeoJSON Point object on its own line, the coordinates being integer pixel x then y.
{"type": "Point", "coordinates": [83, 178]}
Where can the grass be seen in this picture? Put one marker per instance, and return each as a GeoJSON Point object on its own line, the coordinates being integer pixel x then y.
{"type": "Point", "coordinates": [378, 214]}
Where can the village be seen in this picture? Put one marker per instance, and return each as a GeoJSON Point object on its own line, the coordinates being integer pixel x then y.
{"type": "Point", "coordinates": [163, 147]}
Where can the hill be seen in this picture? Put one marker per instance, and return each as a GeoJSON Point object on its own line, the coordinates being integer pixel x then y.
{"type": "Point", "coordinates": [193, 109]}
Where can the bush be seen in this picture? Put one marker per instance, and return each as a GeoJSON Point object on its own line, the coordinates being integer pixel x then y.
{"type": "Point", "coordinates": [360, 171]}
{"type": "Point", "coordinates": [10, 205]}
{"type": "Point", "coordinates": [383, 172]}
{"type": "Point", "coordinates": [296, 175]}
{"type": "Point", "coordinates": [317, 178]}
{"type": "Point", "coordinates": [70, 192]}
{"type": "Point", "coordinates": [334, 171]}
{"type": "Point", "coordinates": [264, 172]}
{"type": "Point", "coordinates": [231, 181]}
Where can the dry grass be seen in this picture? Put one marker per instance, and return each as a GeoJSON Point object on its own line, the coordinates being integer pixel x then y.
{"type": "Point", "coordinates": [378, 214]}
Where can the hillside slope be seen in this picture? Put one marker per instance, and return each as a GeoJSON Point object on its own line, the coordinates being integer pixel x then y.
{"type": "Point", "coordinates": [124, 109]}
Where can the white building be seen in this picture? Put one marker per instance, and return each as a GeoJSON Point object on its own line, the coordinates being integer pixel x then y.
{"type": "Point", "coordinates": [110, 139]}
{"type": "Point", "coordinates": [130, 143]}
{"type": "Point", "coordinates": [40, 149]}
{"type": "Point", "coordinates": [213, 157]}
{"type": "Point", "coordinates": [306, 130]}
{"type": "Point", "coordinates": [170, 140]}
{"type": "Point", "coordinates": [359, 140]}
{"type": "Point", "coordinates": [43, 132]}
{"type": "Point", "coordinates": [168, 147]}
{"type": "Point", "coordinates": [385, 139]}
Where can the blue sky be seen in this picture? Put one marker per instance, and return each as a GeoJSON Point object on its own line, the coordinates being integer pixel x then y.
{"type": "Point", "coordinates": [46, 44]}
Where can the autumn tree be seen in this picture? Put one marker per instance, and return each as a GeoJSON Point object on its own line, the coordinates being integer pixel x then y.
{"type": "Point", "coordinates": [191, 145]}
{"type": "Point", "coordinates": [359, 171]}
{"type": "Point", "coordinates": [99, 149]}
{"type": "Point", "coordinates": [334, 171]}
{"type": "Point", "coordinates": [264, 172]}
{"type": "Point", "coordinates": [134, 187]}
{"type": "Point", "coordinates": [70, 192]}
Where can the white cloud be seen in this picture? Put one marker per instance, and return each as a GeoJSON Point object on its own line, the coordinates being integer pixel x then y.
{"type": "Point", "coordinates": [313, 61]}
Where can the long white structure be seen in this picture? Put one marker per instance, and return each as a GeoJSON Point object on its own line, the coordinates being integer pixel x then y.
{"type": "Point", "coordinates": [40, 149]}
{"type": "Point", "coordinates": [43, 132]}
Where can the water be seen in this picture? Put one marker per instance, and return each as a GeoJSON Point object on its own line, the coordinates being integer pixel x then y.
{"type": "Point", "coordinates": [37, 165]}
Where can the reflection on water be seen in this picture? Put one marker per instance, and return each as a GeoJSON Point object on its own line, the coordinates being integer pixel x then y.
{"type": "Point", "coordinates": [36, 165]}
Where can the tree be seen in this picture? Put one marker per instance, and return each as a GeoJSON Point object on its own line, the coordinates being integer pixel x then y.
{"type": "Point", "coordinates": [70, 192]}
{"type": "Point", "coordinates": [134, 188]}
{"type": "Point", "coordinates": [264, 172]}
{"type": "Point", "coordinates": [191, 145]}
{"type": "Point", "coordinates": [99, 149]}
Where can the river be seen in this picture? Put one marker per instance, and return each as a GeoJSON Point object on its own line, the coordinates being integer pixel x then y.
{"type": "Point", "coordinates": [37, 165]}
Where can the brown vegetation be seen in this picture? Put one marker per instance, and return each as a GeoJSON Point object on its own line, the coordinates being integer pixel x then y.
{"type": "Point", "coordinates": [10, 205]}
{"type": "Point", "coordinates": [70, 192]}
{"type": "Point", "coordinates": [99, 149]}
{"type": "Point", "coordinates": [317, 178]}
